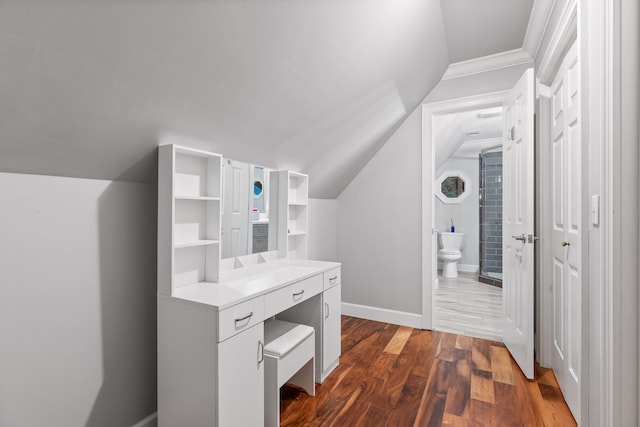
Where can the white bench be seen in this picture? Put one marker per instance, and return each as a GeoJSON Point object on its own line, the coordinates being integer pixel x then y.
{"type": "Point", "coordinates": [289, 354]}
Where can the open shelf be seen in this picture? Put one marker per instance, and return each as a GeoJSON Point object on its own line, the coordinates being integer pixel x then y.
{"type": "Point", "coordinates": [297, 246]}
{"type": "Point", "coordinates": [195, 175]}
{"type": "Point", "coordinates": [293, 222]}
{"type": "Point", "coordinates": [189, 191]}
{"type": "Point", "coordinates": [196, 243]}
{"type": "Point", "coordinates": [298, 190]}
{"type": "Point", "coordinates": [204, 198]}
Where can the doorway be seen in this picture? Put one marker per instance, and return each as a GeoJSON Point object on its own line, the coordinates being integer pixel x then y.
{"type": "Point", "coordinates": [468, 222]}
{"type": "Point", "coordinates": [518, 214]}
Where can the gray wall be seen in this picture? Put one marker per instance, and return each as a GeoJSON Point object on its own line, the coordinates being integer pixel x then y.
{"type": "Point", "coordinates": [379, 226]}
{"type": "Point", "coordinates": [323, 244]}
{"type": "Point", "coordinates": [77, 302]}
{"type": "Point", "coordinates": [379, 212]}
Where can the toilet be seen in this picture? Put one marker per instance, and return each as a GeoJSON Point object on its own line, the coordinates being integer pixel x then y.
{"type": "Point", "coordinates": [450, 252]}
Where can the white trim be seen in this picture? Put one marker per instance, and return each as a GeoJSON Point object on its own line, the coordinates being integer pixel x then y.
{"type": "Point", "coordinates": [463, 268]}
{"type": "Point", "coordinates": [537, 27]}
{"type": "Point", "coordinates": [486, 100]}
{"type": "Point", "coordinates": [563, 36]}
{"type": "Point", "coordinates": [145, 422]}
{"type": "Point", "coordinates": [487, 63]}
{"type": "Point", "coordinates": [382, 315]}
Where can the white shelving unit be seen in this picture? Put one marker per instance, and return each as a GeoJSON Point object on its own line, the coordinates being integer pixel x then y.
{"type": "Point", "coordinates": [189, 191]}
{"type": "Point", "coordinates": [293, 213]}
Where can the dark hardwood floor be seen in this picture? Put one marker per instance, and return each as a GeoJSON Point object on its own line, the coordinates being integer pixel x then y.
{"type": "Point", "coordinates": [392, 375]}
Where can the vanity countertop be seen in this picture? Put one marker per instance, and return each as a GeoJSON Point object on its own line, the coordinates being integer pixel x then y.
{"type": "Point", "coordinates": [243, 284]}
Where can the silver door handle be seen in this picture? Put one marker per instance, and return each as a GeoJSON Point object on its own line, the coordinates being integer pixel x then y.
{"type": "Point", "coordinates": [326, 306]}
{"type": "Point", "coordinates": [260, 352]}
{"type": "Point", "coordinates": [563, 244]}
{"type": "Point", "coordinates": [522, 238]}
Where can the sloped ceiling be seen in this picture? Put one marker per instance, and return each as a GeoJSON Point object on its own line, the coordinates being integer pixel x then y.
{"type": "Point", "coordinates": [486, 27]}
{"type": "Point", "coordinates": [89, 88]}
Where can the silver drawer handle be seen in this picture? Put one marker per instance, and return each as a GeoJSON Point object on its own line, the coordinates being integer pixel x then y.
{"type": "Point", "coordinates": [297, 294]}
{"type": "Point", "coordinates": [333, 279]}
{"type": "Point", "coordinates": [260, 352]}
{"type": "Point", "coordinates": [244, 318]}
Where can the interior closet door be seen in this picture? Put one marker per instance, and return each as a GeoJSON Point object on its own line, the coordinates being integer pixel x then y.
{"type": "Point", "coordinates": [235, 209]}
{"type": "Point", "coordinates": [518, 223]}
{"type": "Point", "coordinates": [566, 228]}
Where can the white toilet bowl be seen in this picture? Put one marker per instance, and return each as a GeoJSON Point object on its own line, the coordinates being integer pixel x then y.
{"type": "Point", "coordinates": [450, 253]}
{"type": "Point", "coordinates": [449, 260]}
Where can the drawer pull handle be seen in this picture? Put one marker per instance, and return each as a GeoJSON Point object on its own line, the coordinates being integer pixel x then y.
{"type": "Point", "coordinates": [333, 279]}
{"type": "Point", "coordinates": [260, 352]}
{"type": "Point", "coordinates": [244, 318]}
{"type": "Point", "coordinates": [326, 306]}
{"type": "Point", "coordinates": [297, 294]}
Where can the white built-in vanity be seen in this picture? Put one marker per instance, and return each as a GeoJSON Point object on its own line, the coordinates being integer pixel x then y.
{"type": "Point", "coordinates": [211, 312]}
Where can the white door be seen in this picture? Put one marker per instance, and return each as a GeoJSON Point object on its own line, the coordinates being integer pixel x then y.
{"type": "Point", "coordinates": [566, 228]}
{"type": "Point", "coordinates": [518, 223]}
{"type": "Point", "coordinates": [235, 213]}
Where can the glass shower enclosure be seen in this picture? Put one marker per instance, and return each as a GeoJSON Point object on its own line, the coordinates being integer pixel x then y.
{"type": "Point", "coordinates": [490, 195]}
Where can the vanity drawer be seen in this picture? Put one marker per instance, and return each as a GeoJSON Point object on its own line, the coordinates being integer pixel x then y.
{"type": "Point", "coordinates": [239, 317]}
{"type": "Point", "coordinates": [280, 300]}
{"type": "Point", "coordinates": [332, 277]}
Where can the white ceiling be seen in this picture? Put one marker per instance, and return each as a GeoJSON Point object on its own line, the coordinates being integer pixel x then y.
{"type": "Point", "coordinates": [89, 88]}
{"type": "Point", "coordinates": [476, 28]}
{"type": "Point", "coordinates": [451, 133]}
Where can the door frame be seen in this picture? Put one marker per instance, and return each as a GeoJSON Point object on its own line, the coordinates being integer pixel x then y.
{"type": "Point", "coordinates": [429, 111]}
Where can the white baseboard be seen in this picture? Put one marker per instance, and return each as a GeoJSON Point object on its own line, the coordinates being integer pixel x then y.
{"type": "Point", "coordinates": [468, 268]}
{"type": "Point", "coordinates": [465, 268]}
{"type": "Point", "coordinates": [150, 421]}
{"type": "Point", "coordinates": [382, 315]}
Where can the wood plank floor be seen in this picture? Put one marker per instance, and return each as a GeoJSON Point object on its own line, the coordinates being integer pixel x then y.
{"type": "Point", "coordinates": [392, 375]}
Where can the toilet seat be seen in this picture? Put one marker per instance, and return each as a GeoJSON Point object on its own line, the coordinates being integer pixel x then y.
{"type": "Point", "coordinates": [449, 252]}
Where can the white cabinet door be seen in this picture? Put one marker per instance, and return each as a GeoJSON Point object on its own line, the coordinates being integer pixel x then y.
{"type": "Point", "coordinates": [331, 326]}
{"type": "Point", "coordinates": [241, 379]}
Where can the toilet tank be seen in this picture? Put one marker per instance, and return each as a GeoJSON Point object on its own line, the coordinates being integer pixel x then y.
{"type": "Point", "coordinates": [453, 241]}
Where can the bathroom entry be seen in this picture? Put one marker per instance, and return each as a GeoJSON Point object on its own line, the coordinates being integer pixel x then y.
{"type": "Point", "coordinates": [463, 302]}
{"type": "Point", "coordinates": [518, 208]}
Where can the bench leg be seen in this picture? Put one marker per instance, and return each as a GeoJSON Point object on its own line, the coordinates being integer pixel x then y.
{"type": "Point", "coordinates": [271, 393]}
{"type": "Point", "coordinates": [305, 377]}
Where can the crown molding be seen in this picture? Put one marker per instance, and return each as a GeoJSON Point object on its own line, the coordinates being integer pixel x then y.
{"type": "Point", "coordinates": [538, 23]}
{"type": "Point", "coordinates": [487, 63]}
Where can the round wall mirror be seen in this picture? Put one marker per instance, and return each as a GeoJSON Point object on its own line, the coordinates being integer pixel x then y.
{"type": "Point", "coordinates": [452, 186]}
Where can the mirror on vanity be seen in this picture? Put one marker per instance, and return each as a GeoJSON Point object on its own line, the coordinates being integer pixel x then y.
{"type": "Point", "coordinates": [249, 223]}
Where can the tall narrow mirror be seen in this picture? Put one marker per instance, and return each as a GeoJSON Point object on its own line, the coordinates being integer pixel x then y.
{"type": "Point", "coordinates": [246, 218]}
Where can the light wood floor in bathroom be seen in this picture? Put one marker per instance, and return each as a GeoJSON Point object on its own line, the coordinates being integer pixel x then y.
{"type": "Point", "coordinates": [392, 375]}
{"type": "Point", "coordinates": [465, 306]}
